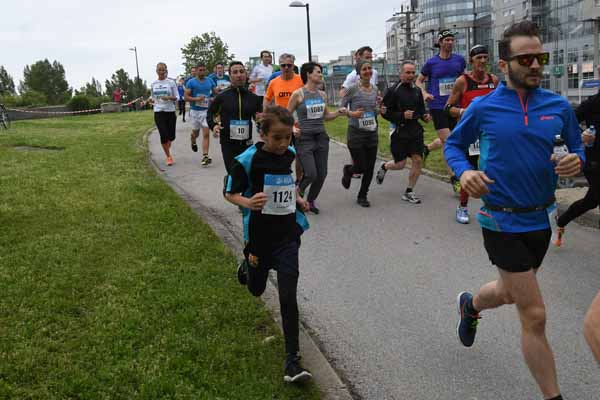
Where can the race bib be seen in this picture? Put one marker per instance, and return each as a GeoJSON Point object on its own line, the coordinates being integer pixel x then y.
{"type": "Point", "coordinates": [315, 108]}
{"type": "Point", "coordinates": [239, 129]}
{"type": "Point", "coordinates": [367, 122]}
{"type": "Point", "coordinates": [474, 149]}
{"type": "Point", "coordinates": [281, 195]}
{"type": "Point", "coordinates": [446, 85]}
{"type": "Point", "coordinates": [203, 103]}
{"type": "Point", "coordinates": [223, 83]}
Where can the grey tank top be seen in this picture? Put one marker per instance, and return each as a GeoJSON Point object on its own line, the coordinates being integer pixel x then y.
{"type": "Point", "coordinates": [311, 113]}
{"type": "Point", "coordinates": [357, 98]}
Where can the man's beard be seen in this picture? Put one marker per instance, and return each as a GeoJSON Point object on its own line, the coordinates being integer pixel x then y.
{"type": "Point", "coordinates": [519, 80]}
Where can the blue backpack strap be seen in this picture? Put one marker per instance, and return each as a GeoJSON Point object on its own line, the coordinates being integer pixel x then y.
{"type": "Point", "coordinates": [245, 159]}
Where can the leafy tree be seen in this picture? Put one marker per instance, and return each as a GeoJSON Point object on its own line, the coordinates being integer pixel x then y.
{"type": "Point", "coordinates": [93, 88]}
{"type": "Point", "coordinates": [133, 88]}
{"type": "Point", "coordinates": [46, 78]}
{"type": "Point", "coordinates": [207, 48]}
{"type": "Point", "coordinates": [7, 85]}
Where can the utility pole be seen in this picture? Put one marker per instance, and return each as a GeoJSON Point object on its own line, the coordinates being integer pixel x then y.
{"type": "Point", "coordinates": [407, 14]}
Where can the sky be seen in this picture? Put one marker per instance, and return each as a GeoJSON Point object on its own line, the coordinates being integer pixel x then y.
{"type": "Point", "coordinates": [92, 39]}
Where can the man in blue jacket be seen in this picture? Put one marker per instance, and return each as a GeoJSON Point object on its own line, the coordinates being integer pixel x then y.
{"type": "Point", "coordinates": [516, 126]}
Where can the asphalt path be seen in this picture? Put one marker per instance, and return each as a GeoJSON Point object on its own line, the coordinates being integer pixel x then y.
{"type": "Point", "coordinates": [378, 288]}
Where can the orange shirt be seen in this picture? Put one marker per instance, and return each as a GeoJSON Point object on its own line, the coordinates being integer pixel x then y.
{"type": "Point", "coordinates": [281, 90]}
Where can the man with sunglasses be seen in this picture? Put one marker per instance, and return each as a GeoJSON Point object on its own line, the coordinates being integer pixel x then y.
{"type": "Point", "coordinates": [467, 87]}
{"type": "Point", "coordinates": [281, 88]}
{"type": "Point", "coordinates": [516, 125]}
{"type": "Point", "coordinates": [441, 72]}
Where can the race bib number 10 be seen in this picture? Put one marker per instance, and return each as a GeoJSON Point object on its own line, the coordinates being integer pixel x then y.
{"type": "Point", "coordinates": [474, 149]}
{"type": "Point", "coordinates": [367, 122]}
{"type": "Point", "coordinates": [281, 195]}
{"type": "Point", "coordinates": [203, 103]}
{"type": "Point", "coordinates": [239, 129]}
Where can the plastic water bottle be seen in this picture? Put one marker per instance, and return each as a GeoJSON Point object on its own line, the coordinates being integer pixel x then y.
{"type": "Point", "coordinates": [592, 131]}
{"type": "Point", "coordinates": [560, 149]}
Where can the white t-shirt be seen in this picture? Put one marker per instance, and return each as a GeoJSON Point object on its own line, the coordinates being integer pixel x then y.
{"type": "Point", "coordinates": [352, 79]}
{"type": "Point", "coordinates": [261, 72]}
{"type": "Point", "coordinates": [166, 87]}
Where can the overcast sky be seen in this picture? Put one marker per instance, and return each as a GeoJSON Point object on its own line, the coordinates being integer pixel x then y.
{"type": "Point", "coordinates": [91, 39]}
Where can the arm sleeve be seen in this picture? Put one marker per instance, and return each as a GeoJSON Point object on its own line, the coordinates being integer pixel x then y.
{"type": "Point", "coordinates": [426, 70]}
{"type": "Point", "coordinates": [583, 109]}
{"type": "Point", "coordinates": [253, 73]}
{"type": "Point", "coordinates": [421, 105]}
{"type": "Point", "coordinates": [237, 181]}
{"type": "Point", "coordinates": [572, 133]}
{"type": "Point", "coordinates": [457, 144]}
{"type": "Point", "coordinates": [213, 110]}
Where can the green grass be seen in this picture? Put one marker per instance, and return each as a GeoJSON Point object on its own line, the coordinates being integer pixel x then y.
{"type": "Point", "coordinates": [111, 287]}
{"type": "Point", "coordinates": [338, 127]}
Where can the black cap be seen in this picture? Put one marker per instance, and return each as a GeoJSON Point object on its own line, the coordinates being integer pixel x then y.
{"type": "Point", "coordinates": [444, 33]}
{"type": "Point", "coordinates": [478, 49]}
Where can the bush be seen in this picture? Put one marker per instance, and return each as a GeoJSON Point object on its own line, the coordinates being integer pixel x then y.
{"type": "Point", "coordinates": [32, 98]}
{"type": "Point", "coordinates": [9, 100]}
{"type": "Point", "coordinates": [96, 101]}
{"type": "Point", "coordinates": [79, 102]}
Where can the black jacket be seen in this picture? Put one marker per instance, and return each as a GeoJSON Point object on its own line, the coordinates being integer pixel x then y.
{"type": "Point", "coordinates": [227, 106]}
{"type": "Point", "coordinates": [589, 111]}
{"type": "Point", "coordinates": [399, 99]}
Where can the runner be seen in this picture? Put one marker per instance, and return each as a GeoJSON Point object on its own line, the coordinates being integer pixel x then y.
{"type": "Point", "coordinates": [198, 91]}
{"type": "Point", "coordinates": [235, 107]}
{"type": "Point", "coordinates": [221, 80]}
{"type": "Point", "coordinates": [441, 72]}
{"type": "Point", "coordinates": [404, 106]}
{"type": "Point", "coordinates": [164, 96]}
{"type": "Point", "coordinates": [261, 182]}
{"type": "Point", "coordinates": [181, 97]}
{"type": "Point", "coordinates": [516, 125]}
{"type": "Point", "coordinates": [261, 73]}
{"type": "Point", "coordinates": [312, 142]}
{"type": "Point", "coordinates": [362, 130]}
{"type": "Point", "coordinates": [467, 87]}
{"type": "Point", "coordinates": [588, 111]}
{"type": "Point", "coordinates": [281, 88]}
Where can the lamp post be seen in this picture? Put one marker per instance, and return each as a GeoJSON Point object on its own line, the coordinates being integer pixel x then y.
{"type": "Point", "coordinates": [134, 49]}
{"type": "Point", "coordinates": [297, 3]}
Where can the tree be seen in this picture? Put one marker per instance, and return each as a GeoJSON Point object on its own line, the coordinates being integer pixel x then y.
{"type": "Point", "coordinates": [48, 79]}
{"type": "Point", "coordinates": [207, 48]}
{"type": "Point", "coordinates": [93, 88]}
{"type": "Point", "coordinates": [134, 89]}
{"type": "Point", "coordinates": [7, 85]}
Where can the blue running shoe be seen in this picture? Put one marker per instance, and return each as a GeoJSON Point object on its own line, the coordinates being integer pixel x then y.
{"type": "Point", "coordinates": [467, 323]}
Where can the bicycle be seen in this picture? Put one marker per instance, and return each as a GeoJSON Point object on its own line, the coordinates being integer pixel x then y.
{"type": "Point", "coordinates": [4, 119]}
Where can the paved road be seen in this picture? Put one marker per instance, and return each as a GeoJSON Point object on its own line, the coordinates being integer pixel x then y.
{"type": "Point", "coordinates": [378, 289]}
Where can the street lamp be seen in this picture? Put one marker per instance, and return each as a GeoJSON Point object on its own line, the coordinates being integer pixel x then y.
{"type": "Point", "coordinates": [297, 3]}
{"type": "Point", "coordinates": [134, 49]}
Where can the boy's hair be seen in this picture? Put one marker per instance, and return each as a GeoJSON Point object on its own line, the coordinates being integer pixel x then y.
{"type": "Point", "coordinates": [308, 68]}
{"type": "Point", "coordinates": [274, 114]}
{"type": "Point", "coordinates": [200, 64]}
{"type": "Point", "coordinates": [523, 28]}
{"type": "Point", "coordinates": [263, 52]}
{"type": "Point", "coordinates": [231, 64]}
{"type": "Point", "coordinates": [360, 51]}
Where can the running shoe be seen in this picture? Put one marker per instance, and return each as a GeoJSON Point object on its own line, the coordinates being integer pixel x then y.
{"type": "Point", "coordinates": [206, 160]}
{"type": "Point", "coordinates": [363, 202]}
{"type": "Point", "coordinates": [411, 197]}
{"type": "Point", "coordinates": [356, 176]}
{"type": "Point", "coordinates": [346, 177]}
{"type": "Point", "coordinates": [560, 233]}
{"type": "Point", "coordinates": [194, 145]}
{"type": "Point", "coordinates": [313, 207]}
{"type": "Point", "coordinates": [380, 174]}
{"type": "Point", "coordinates": [294, 373]}
{"type": "Point", "coordinates": [169, 161]}
{"type": "Point", "coordinates": [242, 272]}
{"type": "Point", "coordinates": [462, 215]}
{"type": "Point", "coordinates": [466, 328]}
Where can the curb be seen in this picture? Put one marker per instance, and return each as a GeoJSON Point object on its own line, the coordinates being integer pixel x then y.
{"type": "Point", "coordinates": [325, 377]}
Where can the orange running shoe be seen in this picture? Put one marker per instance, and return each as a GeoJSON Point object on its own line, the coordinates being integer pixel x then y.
{"type": "Point", "coordinates": [560, 233]}
{"type": "Point", "coordinates": [169, 161]}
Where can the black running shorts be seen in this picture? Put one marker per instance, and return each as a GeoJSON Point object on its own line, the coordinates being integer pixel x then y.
{"type": "Point", "coordinates": [517, 252]}
{"type": "Point", "coordinates": [402, 147]}
{"type": "Point", "coordinates": [441, 120]}
{"type": "Point", "coordinates": [165, 122]}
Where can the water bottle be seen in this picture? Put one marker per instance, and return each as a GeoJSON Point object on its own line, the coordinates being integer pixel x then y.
{"type": "Point", "coordinates": [592, 131]}
{"type": "Point", "coordinates": [560, 149]}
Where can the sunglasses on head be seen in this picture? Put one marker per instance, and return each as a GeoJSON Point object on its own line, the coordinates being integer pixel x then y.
{"type": "Point", "coordinates": [527, 59]}
{"type": "Point", "coordinates": [286, 65]}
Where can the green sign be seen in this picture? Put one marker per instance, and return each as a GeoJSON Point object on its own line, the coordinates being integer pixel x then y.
{"type": "Point", "coordinates": [325, 70]}
{"type": "Point", "coordinates": [558, 70]}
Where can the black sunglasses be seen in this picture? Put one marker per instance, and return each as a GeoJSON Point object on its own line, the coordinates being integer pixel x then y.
{"type": "Point", "coordinates": [527, 59]}
{"type": "Point", "coordinates": [286, 65]}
